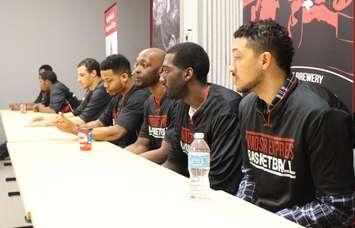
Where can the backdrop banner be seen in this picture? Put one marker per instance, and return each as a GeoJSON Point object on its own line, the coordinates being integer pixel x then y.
{"type": "Point", "coordinates": [111, 28]}
{"type": "Point", "coordinates": [322, 36]}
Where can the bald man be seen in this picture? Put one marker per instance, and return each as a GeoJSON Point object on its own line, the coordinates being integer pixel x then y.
{"type": "Point", "coordinates": [158, 108]}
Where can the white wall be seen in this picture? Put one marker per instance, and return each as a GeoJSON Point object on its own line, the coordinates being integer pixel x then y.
{"type": "Point", "coordinates": [213, 24]}
{"type": "Point", "coordinates": [133, 27]}
{"type": "Point", "coordinates": [60, 33]}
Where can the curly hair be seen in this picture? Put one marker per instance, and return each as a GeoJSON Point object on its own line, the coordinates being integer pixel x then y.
{"type": "Point", "coordinates": [267, 35]}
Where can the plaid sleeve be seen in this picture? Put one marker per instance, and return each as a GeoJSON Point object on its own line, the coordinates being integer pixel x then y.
{"type": "Point", "coordinates": [327, 211]}
{"type": "Point", "coordinates": [246, 189]}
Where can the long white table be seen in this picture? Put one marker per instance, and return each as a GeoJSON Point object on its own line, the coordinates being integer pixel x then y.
{"type": "Point", "coordinates": [15, 126]}
{"type": "Point", "coordinates": [109, 187]}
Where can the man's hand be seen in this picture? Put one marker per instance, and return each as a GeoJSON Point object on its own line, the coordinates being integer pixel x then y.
{"type": "Point", "coordinates": [35, 107]}
{"type": "Point", "coordinates": [37, 118]}
{"type": "Point", "coordinates": [64, 124]}
{"type": "Point", "coordinates": [14, 106]}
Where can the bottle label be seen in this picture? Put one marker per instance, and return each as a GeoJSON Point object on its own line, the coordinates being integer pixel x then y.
{"type": "Point", "coordinates": [198, 160]}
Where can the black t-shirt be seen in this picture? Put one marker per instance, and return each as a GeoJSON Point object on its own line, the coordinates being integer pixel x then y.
{"type": "Point", "coordinates": [62, 99]}
{"type": "Point", "coordinates": [300, 148]}
{"type": "Point", "coordinates": [217, 118]}
{"type": "Point", "coordinates": [158, 116]}
{"type": "Point", "coordinates": [93, 104]}
{"type": "Point", "coordinates": [43, 98]}
{"type": "Point", "coordinates": [126, 111]}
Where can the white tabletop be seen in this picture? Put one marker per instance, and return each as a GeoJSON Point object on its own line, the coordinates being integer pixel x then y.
{"type": "Point", "coordinates": [15, 122]}
{"type": "Point", "coordinates": [110, 187]}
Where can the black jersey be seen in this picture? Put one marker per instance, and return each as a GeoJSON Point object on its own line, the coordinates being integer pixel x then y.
{"type": "Point", "coordinates": [62, 99]}
{"type": "Point", "coordinates": [126, 111]}
{"type": "Point", "coordinates": [93, 104]}
{"type": "Point", "coordinates": [217, 118]}
{"type": "Point", "coordinates": [43, 98]}
{"type": "Point", "coordinates": [158, 114]}
{"type": "Point", "coordinates": [298, 148]}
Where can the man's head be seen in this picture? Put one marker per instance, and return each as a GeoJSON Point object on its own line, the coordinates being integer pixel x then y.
{"type": "Point", "coordinates": [182, 63]}
{"type": "Point", "coordinates": [46, 79]}
{"type": "Point", "coordinates": [116, 73]}
{"type": "Point", "coordinates": [147, 67]}
{"type": "Point", "coordinates": [88, 70]}
{"type": "Point", "coordinates": [259, 48]}
{"type": "Point", "coordinates": [45, 67]}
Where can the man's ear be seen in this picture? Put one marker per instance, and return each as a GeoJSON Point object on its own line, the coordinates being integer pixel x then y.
{"type": "Point", "coordinates": [188, 73]}
{"type": "Point", "coordinates": [265, 59]}
{"type": "Point", "coordinates": [93, 73]}
{"type": "Point", "coordinates": [124, 77]}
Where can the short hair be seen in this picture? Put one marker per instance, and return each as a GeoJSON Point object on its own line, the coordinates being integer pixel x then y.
{"type": "Point", "coordinates": [191, 55]}
{"type": "Point", "coordinates": [117, 63]}
{"type": "Point", "coordinates": [267, 35]}
{"type": "Point", "coordinates": [91, 65]}
{"type": "Point", "coordinates": [48, 75]}
{"type": "Point", "coordinates": [45, 67]}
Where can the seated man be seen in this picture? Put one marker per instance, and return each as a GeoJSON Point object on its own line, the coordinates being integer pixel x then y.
{"type": "Point", "coordinates": [158, 108]}
{"type": "Point", "coordinates": [61, 99]}
{"type": "Point", "coordinates": [43, 96]}
{"type": "Point", "coordinates": [206, 108]}
{"type": "Point", "coordinates": [95, 100]}
{"type": "Point", "coordinates": [297, 144]}
{"type": "Point", "coordinates": [122, 118]}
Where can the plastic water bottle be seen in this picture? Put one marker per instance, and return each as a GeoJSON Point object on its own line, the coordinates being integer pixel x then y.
{"type": "Point", "coordinates": [199, 167]}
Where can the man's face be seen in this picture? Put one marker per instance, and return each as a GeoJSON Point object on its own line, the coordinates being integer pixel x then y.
{"type": "Point", "coordinates": [173, 78]}
{"type": "Point", "coordinates": [85, 78]}
{"type": "Point", "coordinates": [146, 71]}
{"type": "Point", "coordinates": [113, 82]}
{"type": "Point", "coordinates": [246, 66]}
{"type": "Point", "coordinates": [43, 84]}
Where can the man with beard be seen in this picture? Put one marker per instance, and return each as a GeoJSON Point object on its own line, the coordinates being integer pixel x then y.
{"type": "Point", "coordinates": [158, 108]}
{"type": "Point", "coordinates": [206, 108]}
{"type": "Point", "coordinates": [296, 144]}
{"type": "Point", "coordinates": [122, 118]}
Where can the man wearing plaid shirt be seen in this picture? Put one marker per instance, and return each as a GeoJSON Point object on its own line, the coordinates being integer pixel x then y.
{"type": "Point", "coordinates": [297, 136]}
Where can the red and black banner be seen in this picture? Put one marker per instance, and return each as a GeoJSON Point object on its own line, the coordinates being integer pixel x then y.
{"type": "Point", "coordinates": [321, 31]}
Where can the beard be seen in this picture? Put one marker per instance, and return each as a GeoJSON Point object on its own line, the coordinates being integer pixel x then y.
{"type": "Point", "coordinates": [250, 86]}
{"type": "Point", "coordinates": [178, 91]}
{"type": "Point", "coordinates": [148, 81]}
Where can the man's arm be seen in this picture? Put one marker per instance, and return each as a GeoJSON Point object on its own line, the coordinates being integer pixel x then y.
{"type": "Point", "coordinates": [16, 106]}
{"type": "Point", "coordinates": [109, 133]}
{"type": "Point", "coordinates": [77, 120]}
{"type": "Point", "coordinates": [224, 140]}
{"type": "Point", "coordinates": [159, 155]}
{"type": "Point", "coordinates": [324, 211]}
{"type": "Point", "coordinates": [176, 166]}
{"type": "Point", "coordinates": [140, 146]}
{"type": "Point", "coordinates": [246, 189]}
{"type": "Point", "coordinates": [93, 124]}
{"type": "Point", "coordinates": [42, 108]}
{"type": "Point", "coordinates": [66, 125]}
{"type": "Point", "coordinates": [142, 143]}
{"type": "Point", "coordinates": [329, 146]}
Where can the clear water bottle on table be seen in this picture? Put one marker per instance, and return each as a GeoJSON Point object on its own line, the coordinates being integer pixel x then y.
{"type": "Point", "coordinates": [199, 167]}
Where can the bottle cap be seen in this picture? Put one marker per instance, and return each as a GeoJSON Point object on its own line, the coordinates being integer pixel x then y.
{"type": "Point", "coordinates": [198, 135]}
